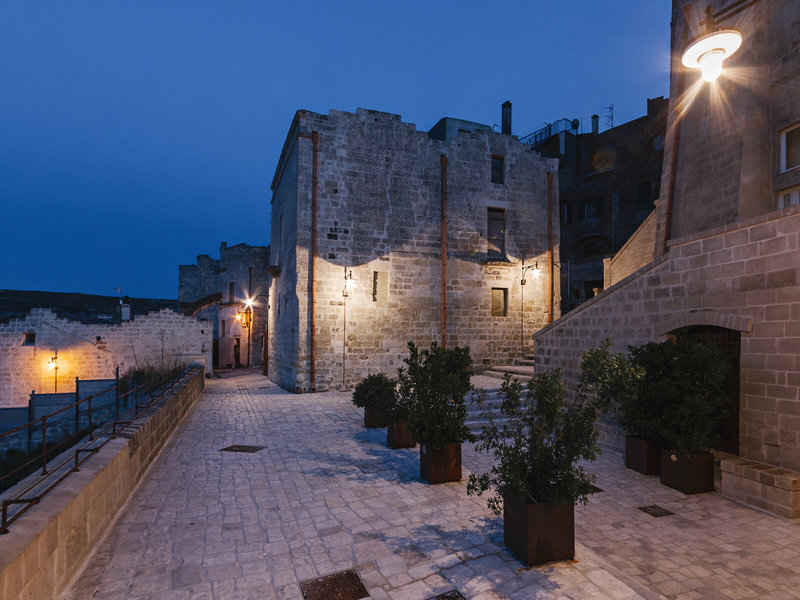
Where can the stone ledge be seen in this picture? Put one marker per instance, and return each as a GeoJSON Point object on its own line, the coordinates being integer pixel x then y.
{"type": "Point", "coordinates": [47, 547]}
{"type": "Point", "coordinates": [766, 486]}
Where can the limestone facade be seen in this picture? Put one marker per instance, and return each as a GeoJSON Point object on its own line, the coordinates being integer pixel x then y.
{"type": "Point", "coordinates": [726, 245]}
{"type": "Point", "coordinates": [93, 351]}
{"type": "Point", "coordinates": [375, 188]}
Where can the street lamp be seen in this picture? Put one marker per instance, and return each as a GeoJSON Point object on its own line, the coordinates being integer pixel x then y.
{"type": "Point", "coordinates": [349, 284]}
{"type": "Point", "coordinates": [53, 364]}
{"type": "Point", "coordinates": [245, 318]}
{"type": "Point", "coordinates": [535, 271]}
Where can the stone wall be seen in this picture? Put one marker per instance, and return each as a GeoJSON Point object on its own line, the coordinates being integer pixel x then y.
{"type": "Point", "coordinates": [635, 254]}
{"type": "Point", "coordinates": [93, 351]}
{"type": "Point", "coordinates": [379, 194]}
{"type": "Point", "coordinates": [46, 548]}
{"type": "Point", "coordinates": [743, 277]}
{"type": "Point", "coordinates": [198, 280]}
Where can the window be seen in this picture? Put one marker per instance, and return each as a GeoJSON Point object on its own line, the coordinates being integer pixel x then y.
{"type": "Point", "coordinates": [498, 175]}
{"type": "Point", "coordinates": [565, 212]}
{"type": "Point", "coordinates": [29, 338]}
{"type": "Point", "coordinates": [496, 233]}
{"type": "Point", "coordinates": [499, 302]}
{"type": "Point", "coordinates": [590, 210]}
{"type": "Point", "coordinates": [790, 148]}
{"type": "Point", "coordinates": [222, 328]}
{"type": "Point", "coordinates": [790, 197]}
{"type": "Point", "coordinates": [231, 295]}
{"type": "Point", "coordinates": [380, 286]}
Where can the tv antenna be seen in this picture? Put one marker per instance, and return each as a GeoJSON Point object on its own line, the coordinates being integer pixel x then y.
{"type": "Point", "coordinates": [610, 116]}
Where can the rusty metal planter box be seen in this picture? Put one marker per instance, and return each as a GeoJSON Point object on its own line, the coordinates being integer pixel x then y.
{"type": "Point", "coordinates": [642, 456]}
{"type": "Point", "coordinates": [441, 466]}
{"type": "Point", "coordinates": [688, 473]}
{"type": "Point", "coordinates": [399, 436]}
{"type": "Point", "coordinates": [539, 533]}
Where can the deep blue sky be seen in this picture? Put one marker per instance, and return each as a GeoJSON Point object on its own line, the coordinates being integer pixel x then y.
{"type": "Point", "coordinates": [135, 135]}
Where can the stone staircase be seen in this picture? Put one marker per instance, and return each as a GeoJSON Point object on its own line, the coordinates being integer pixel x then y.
{"type": "Point", "coordinates": [521, 368]}
{"type": "Point", "coordinates": [476, 417]}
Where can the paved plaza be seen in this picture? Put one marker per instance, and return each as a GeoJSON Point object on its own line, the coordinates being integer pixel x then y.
{"type": "Point", "coordinates": [325, 494]}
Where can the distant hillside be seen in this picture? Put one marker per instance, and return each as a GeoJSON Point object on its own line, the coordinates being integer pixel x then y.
{"type": "Point", "coordinates": [85, 308]}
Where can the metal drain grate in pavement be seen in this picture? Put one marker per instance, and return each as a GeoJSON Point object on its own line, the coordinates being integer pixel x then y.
{"type": "Point", "coordinates": [344, 585]}
{"type": "Point", "coordinates": [451, 595]}
{"type": "Point", "coordinates": [656, 510]}
{"type": "Point", "coordinates": [239, 448]}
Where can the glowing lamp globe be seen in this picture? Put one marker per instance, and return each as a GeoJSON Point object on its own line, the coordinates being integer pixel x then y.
{"type": "Point", "coordinates": [708, 52]}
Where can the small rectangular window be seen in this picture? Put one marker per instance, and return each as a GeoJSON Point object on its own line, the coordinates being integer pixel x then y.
{"type": "Point", "coordinates": [222, 328]}
{"type": "Point", "coordinates": [499, 302]}
{"type": "Point", "coordinates": [565, 213]}
{"type": "Point", "coordinates": [29, 338]}
{"type": "Point", "coordinates": [787, 198]}
{"type": "Point", "coordinates": [790, 148]}
{"type": "Point", "coordinates": [590, 210]}
{"type": "Point", "coordinates": [498, 174]}
{"type": "Point", "coordinates": [231, 295]}
{"type": "Point", "coordinates": [380, 286]}
{"type": "Point", "coordinates": [496, 233]}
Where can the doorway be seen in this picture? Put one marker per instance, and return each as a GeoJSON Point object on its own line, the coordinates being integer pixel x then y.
{"type": "Point", "coordinates": [729, 342]}
{"type": "Point", "coordinates": [237, 363]}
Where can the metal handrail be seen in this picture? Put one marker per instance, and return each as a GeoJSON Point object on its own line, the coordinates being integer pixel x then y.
{"type": "Point", "coordinates": [550, 129]}
{"type": "Point", "coordinates": [19, 498]}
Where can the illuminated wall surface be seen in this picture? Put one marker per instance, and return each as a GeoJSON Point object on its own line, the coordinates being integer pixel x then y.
{"type": "Point", "coordinates": [733, 251]}
{"type": "Point", "coordinates": [163, 337]}
{"type": "Point", "coordinates": [379, 194]}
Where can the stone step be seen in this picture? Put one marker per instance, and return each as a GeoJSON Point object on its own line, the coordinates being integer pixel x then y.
{"type": "Point", "coordinates": [521, 372]}
{"type": "Point", "coordinates": [527, 361]}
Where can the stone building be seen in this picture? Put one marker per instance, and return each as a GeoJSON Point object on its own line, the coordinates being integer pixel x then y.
{"type": "Point", "coordinates": [608, 182]}
{"type": "Point", "coordinates": [90, 336]}
{"type": "Point", "coordinates": [437, 229]}
{"type": "Point", "coordinates": [720, 260]}
{"type": "Point", "coordinates": [219, 290]}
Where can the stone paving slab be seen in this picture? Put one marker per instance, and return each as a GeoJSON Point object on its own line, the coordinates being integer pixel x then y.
{"type": "Point", "coordinates": [327, 495]}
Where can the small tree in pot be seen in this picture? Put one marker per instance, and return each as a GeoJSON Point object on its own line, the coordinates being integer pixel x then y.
{"type": "Point", "coordinates": [537, 479]}
{"type": "Point", "coordinates": [376, 395]}
{"type": "Point", "coordinates": [694, 404]}
{"type": "Point", "coordinates": [398, 433]}
{"type": "Point", "coordinates": [432, 388]}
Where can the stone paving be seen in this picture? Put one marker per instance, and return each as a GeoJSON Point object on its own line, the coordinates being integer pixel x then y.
{"type": "Point", "coordinates": [326, 494]}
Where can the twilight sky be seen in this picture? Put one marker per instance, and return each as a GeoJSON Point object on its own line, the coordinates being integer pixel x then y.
{"type": "Point", "coordinates": [135, 135]}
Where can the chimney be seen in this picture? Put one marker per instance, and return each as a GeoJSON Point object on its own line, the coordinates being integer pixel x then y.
{"type": "Point", "coordinates": [595, 124]}
{"type": "Point", "coordinates": [506, 117]}
{"type": "Point", "coordinates": [223, 245]}
{"type": "Point", "coordinates": [126, 312]}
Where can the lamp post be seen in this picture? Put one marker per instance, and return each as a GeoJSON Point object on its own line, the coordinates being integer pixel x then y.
{"type": "Point", "coordinates": [53, 364]}
{"type": "Point", "coordinates": [349, 282]}
{"type": "Point", "coordinates": [522, 281]}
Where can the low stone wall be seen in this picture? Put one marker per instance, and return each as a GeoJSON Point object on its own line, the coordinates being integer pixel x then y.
{"type": "Point", "coordinates": [765, 486]}
{"type": "Point", "coordinates": [47, 546]}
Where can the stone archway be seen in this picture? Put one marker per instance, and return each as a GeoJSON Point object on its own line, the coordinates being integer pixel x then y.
{"type": "Point", "coordinates": [728, 341]}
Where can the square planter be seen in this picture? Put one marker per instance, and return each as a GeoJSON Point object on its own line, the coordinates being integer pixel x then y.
{"type": "Point", "coordinates": [441, 466]}
{"type": "Point", "coordinates": [539, 533]}
{"type": "Point", "coordinates": [399, 436]}
{"type": "Point", "coordinates": [642, 456]}
{"type": "Point", "coordinates": [375, 418]}
{"type": "Point", "coordinates": [688, 473]}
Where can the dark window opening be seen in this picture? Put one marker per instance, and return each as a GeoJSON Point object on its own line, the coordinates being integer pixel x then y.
{"type": "Point", "coordinates": [791, 149]}
{"type": "Point", "coordinates": [498, 174]}
{"type": "Point", "coordinates": [565, 213]}
{"type": "Point", "coordinates": [499, 302]}
{"type": "Point", "coordinates": [29, 339]}
{"type": "Point", "coordinates": [222, 328]}
{"type": "Point", "coordinates": [496, 233]}
{"type": "Point", "coordinates": [231, 295]}
{"type": "Point", "coordinates": [591, 210]}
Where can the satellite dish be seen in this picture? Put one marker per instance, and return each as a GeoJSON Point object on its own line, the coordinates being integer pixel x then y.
{"type": "Point", "coordinates": [575, 123]}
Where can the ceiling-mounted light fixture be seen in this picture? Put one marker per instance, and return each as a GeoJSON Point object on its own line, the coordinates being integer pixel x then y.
{"type": "Point", "coordinates": [708, 52]}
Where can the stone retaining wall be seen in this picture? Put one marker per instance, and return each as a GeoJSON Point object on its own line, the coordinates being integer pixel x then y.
{"type": "Point", "coordinates": [46, 548]}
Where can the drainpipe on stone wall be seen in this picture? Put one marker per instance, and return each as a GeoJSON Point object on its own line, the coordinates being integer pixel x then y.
{"type": "Point", "coordinates": [549, 248]}
{"type": "Point", "coordinates": [675, 139]}
{"type": "Point", "coordinates": [443, 161]}
{"type": "Point", "coordinates": [315, 145]}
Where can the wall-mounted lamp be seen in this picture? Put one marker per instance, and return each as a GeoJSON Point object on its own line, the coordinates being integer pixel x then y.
{"type": "Point", "coordinates": [708, 52]}
{"type": "Point", "coordinates": [535, 271]}
{"type": "Point", "coordinates": [53, 366]}
{"type": "Point", "coordinates": [349, 283]}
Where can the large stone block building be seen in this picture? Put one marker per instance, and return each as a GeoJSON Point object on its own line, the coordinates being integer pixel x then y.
{"type": "Point", "coordinates": [232, 292]}
{"type": "Point", "coordinates": [720, 258]}
{"type": "Point", "coordinates": [435, 228]}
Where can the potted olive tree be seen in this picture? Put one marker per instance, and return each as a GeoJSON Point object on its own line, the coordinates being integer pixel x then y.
{"type": "Point", "coordinates": [694, 405]}
{"type": "Point", "coordinates": [398, 433]}
{"type": "Point", "coordinates": [376, 395]}
{"type": "Point", "coordinates": [640, 412]}
{"type": "Point", "coordinates": [432, 387]}
{"type": "Point", "coordinates": [537, 479]}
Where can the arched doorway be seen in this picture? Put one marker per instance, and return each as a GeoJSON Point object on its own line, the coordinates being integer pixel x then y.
{"type": "Point", "coordinates": [729, 342]}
